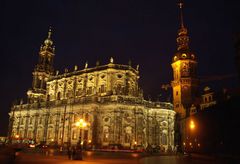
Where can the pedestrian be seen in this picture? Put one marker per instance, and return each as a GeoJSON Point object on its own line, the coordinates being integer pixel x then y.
{"type": "Point", "coordinates": [69, 152]}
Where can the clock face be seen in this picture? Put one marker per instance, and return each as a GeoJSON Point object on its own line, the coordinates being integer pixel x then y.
{"type": "Point", "coordinates": [184, 55]}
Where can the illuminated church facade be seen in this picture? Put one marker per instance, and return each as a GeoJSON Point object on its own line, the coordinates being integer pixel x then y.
{"type": "Point", "coordinates": [107, 97]}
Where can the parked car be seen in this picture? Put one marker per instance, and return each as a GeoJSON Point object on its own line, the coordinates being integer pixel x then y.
{"type": "Point", "coordinates": [32, 145]}
{"type": "Point", "coordinates": [42, 146]}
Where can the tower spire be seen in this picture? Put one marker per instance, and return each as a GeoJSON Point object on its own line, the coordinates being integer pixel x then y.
{"type": "Point", "coordinates": [182, 39]}
{"type": "Point", "coordinates": [180, 4]}
{"type": "Point", "coordinates": [43, 70]}
{"type": "Point", "coordinates": [49, 32]}
{"type": "Point", "coordinates": [48, 43]}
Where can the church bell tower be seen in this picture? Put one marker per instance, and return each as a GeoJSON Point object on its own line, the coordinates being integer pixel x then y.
{"type": "Point", "coordinates": [184, 65]}
{"type": "Point", "coordinates": [42, 71]}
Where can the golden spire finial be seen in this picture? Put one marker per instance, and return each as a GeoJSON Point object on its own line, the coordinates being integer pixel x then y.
{"type": "Point", "coordinates": [49, 32]}
{"type": "Point", "coordinates": [180, 4]}
{"type": "Point", "coordinates": [48, 42]}
{"type": "Point", "coordinates": [111, 60]}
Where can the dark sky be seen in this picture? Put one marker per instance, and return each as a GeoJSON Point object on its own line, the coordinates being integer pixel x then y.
{"type": "Point", "coordinates": [142, 31]}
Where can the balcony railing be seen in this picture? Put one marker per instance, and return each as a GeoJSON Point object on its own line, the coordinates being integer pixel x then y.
{"type": "Point", "coordinates": [95, 99]}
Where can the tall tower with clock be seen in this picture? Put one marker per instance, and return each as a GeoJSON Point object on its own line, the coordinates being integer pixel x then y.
{"type": "Point", "coordinates": [184, 65]}
{"type": "Point", "coordinates": [42, 71]}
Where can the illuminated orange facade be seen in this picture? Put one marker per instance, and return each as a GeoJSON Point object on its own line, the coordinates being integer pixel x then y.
{"type": "Point", "coordinates": [184, 65]}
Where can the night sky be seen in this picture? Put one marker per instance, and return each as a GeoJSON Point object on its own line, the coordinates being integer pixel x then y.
{"type": "Point", "coordinates": [141, 31]}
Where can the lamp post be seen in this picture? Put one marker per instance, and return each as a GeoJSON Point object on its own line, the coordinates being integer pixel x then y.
{"type": "Point", "coordinates": [190, 127]}
{"type": "Point", "coordinates": [81, 124]}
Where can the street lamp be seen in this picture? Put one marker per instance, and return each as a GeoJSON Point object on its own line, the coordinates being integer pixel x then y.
{"type": "Point", "coordinates": [81, 124]}
{"type": "Point", "coordinates": [16, 136]}
{"type": "Point", "coordinates": [192, 125]}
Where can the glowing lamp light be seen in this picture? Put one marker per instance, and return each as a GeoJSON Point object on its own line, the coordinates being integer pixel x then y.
{"type": "Point", "coordinates": [84, 124]}
{"type": "Point", "coordinates": [81, 123]}
{"type": "Point", "coordinates": [77, 123]}
{"type": "Point", "coordinates": [135, 142]}
{"type": "Point", "coordinates": [89, 141]}
{"type": "Point", "coordinates": [17, 136]}
{"type": "Point", "coordinates": [192, 125]}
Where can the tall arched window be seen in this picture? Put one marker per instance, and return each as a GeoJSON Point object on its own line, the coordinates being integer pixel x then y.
{"type": "Point", "coordinates": [164, 139]}
{"type": "Point", "coordinates": [105, 134]}
{"type": "Point", "coordinates": [118, 89]}
{"type": "Point", "coordinates": [58, 95]}
{"type": "Point", "coordinates": [86, 117]}
{"type": "Point", "coordinates": [128, 133]}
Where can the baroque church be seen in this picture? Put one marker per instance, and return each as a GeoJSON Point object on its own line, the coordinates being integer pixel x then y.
{"type": "Point", "coordinates": [109, 100]}
{"type": "Point", "coordinates": [107, 97]}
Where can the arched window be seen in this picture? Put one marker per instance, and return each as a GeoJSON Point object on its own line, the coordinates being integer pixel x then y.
{"type": "Point", "coordinates": [74, 135]}
{"type": "Point", "coordinates": [58, 95]}
{"type": "Point", "coordinates": [128, 132]}
{"type": "Point", "coordinates": [22, 120]}
{"type": "Point", "coordinates": [48, 97]}
{"type": "Point", "coordinates": [50, 133]}
{"type": "Point", "coordinates": [31, 119]}
{"type": "Point", "coordinates": [30, 134]}
{"type": "Point", "coordinates": [86, 117]}
{"type": "Point", "coordinates": [118, 89]}
{"type": "Point", "coordinates": [102, 89]}
{"type": "Point", "coordinates": [50, 120]}
{"type": "Point", "coordinates": [105, 134]}
{"type": "Point", "coordinates": [164, 139]}
{"type": "Point", "coordinates": [40, 120]}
